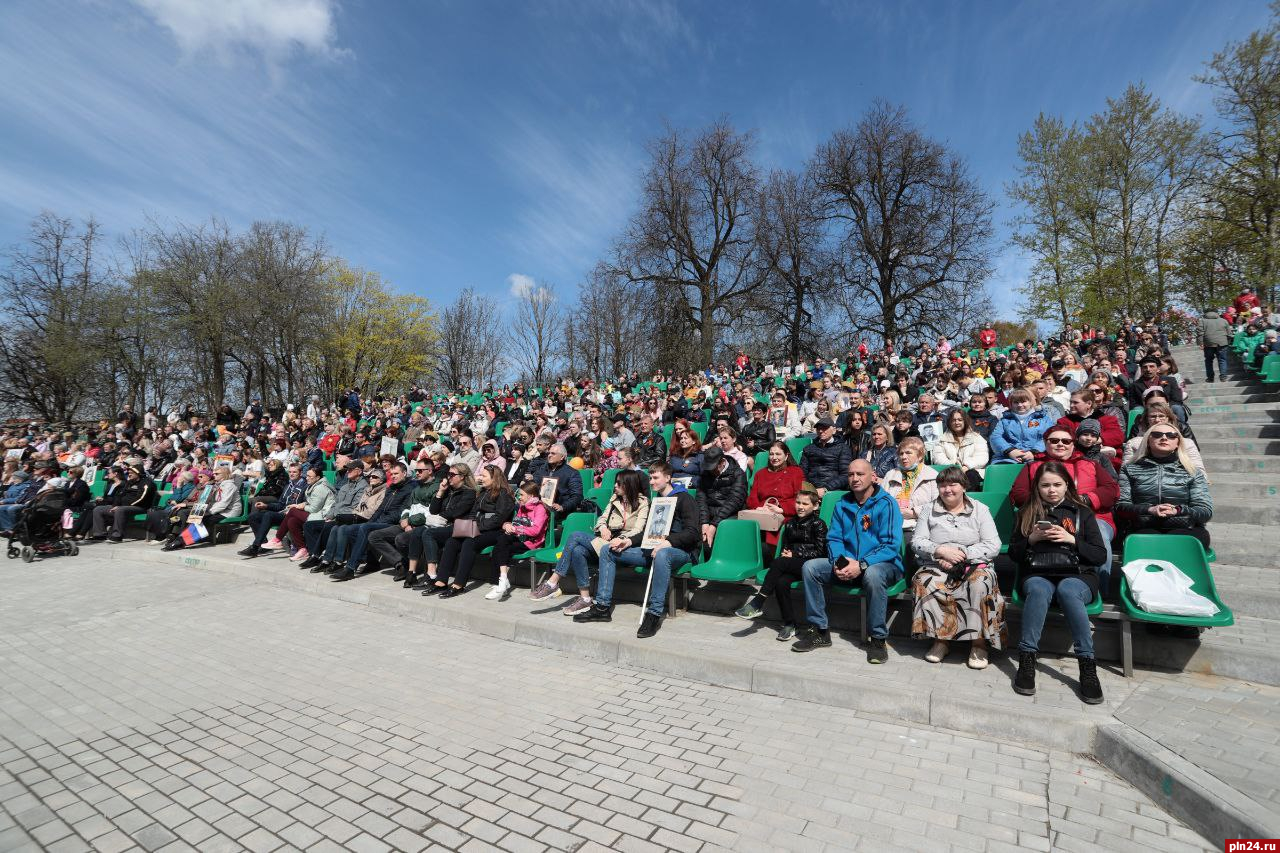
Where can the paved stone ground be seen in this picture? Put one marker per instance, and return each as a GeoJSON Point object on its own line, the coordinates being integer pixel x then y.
{"type": "Point", "coordinates": [156, 708]}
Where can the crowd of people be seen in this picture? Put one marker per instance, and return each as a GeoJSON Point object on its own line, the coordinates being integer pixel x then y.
{"type": "Point", "coordinates": [859, 472]}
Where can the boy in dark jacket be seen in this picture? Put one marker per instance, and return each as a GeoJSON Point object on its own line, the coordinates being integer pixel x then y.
{"type": "Point", "coordinates": [803, 538]}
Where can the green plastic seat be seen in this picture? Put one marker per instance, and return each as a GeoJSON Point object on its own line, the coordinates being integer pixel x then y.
{"type": "Point", "coordinates": [1001, 506]}
{"type": "Point", "coordinates": [574, 523]}
{"type": "Point", "coordinates": [244, 513]}
{"type": "Point", "coordinates": [735, 555]}
{"type": "Point", "coordinates": [98, 487]}
{"type": "Point", "coordinates": [1134, 414]}
{"type": "Point", "coordinates": [1270, 372]}
{"type": "Point", "coordinates": [1187, 554]}
{"type": "Point", "coordinates": [700, 430]}
{"type": "Point", "coordinates": [999, 478]}
{"type": "Point", "coordinates": [828, 505]}
{"type": "Point", "coordinates": [797, 446]}
{"type": "Point", "coordinates": [588, 479]}
{"type": "Point", "coordinates": [604, 492]}
{"type": "Point", "coordinates": [668, 431]}
{"type": "Point", "coordinates": [761, 462]}
{"type": "Point", "coordinates": [499, 426]}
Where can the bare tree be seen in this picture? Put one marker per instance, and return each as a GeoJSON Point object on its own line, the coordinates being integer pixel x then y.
{"type": "Point", "coordinates": [52, 290]}
{"type": "Point", "coordinates": [798, 276]}
{"type": "Point", "coordinates": [471, 352]}
{"type": "Point", "coordinates": [533, 332]}
{"type": "Point", "coordinates": [693, 240]}
{"type": "Point", "coordinates": [913, 229]}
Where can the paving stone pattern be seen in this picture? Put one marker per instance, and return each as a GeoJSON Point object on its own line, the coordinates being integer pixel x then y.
{"type": "Point", "coordinates": [160, 709]}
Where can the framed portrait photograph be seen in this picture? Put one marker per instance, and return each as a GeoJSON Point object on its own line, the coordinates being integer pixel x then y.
{"type": "Point", "coordinates": [547, 490]}
{"type": "Point", "coordinates": [661, 513]}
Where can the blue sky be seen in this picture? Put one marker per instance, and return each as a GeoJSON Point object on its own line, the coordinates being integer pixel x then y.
{"type": "Point", "coordinates": [448, 144]}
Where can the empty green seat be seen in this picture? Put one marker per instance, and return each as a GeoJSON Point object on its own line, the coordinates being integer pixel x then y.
{"type": "Point", "coordinates": [829, 501]}
{"type": "Point", "coordinates": [797, 446]}
{"type": "Point", "coordinates": [699, 429]}
{"type": "Point", "coordinates": [999, 478]}
{"type": "Point", "coordinates": [1001, 506]}
{"type": "Point", "coordinates": [735, 554]}
{"type": "Point", "coordinates": [1187, 554]}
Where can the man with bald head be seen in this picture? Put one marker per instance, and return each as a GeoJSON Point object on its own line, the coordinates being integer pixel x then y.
{"type": "Point", "coordinates": [864, 547]}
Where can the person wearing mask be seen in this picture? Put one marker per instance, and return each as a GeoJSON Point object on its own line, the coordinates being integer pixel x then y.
{"type": "Point", "coordinates": [955, 591]}
{"type": "Point", "coordinates": [912, 483]}
{"type": "Point", "coordinates": [673, 551]}
{"type": "Point", "coordinates": [864, 543]}
{"type": "Point", "coordinates": [1056, 544]}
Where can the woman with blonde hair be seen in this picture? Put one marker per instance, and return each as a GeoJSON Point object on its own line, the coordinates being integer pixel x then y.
{"type": "Point", "coordinates": [1162, 491]}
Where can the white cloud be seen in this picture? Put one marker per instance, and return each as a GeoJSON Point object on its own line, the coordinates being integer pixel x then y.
{"type": "Point", "coordinates": [521, 285]}
{"type": "Point", "coordinates": [275, 28]}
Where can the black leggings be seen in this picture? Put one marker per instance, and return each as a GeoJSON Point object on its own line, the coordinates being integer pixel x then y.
{"type": "Point", "coordinates": [507, 544]}
{"type": "Point", "coordinates": [777, 583]}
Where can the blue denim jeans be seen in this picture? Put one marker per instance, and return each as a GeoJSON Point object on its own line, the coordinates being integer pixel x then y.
{"type": "Point", "coordinates": [1073, 596]}
{"type": "Point", "coordinates": [359, 537]}
{"type": "Point", "coordinates": [663, 564]}
{"type": "Point", "coordinates": [1104, 571]}
{"type": "Point", "coordinates": [818, 575]}
{"type": "Point", "coordinates": [573, 557]}
{"type": "Point", "coordinates": [1215, 354]}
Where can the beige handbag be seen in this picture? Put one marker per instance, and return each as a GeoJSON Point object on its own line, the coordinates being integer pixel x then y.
{"type": "Point", "coordinates": [770, 522]}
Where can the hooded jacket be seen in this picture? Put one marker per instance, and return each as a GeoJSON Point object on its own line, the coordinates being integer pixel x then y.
{"type": "Point", "coordinates": [870, 532]}
{"type": "Point", "coordinates": [350, 493]}
{"type": "Point", "coordinates": [1012, 433]}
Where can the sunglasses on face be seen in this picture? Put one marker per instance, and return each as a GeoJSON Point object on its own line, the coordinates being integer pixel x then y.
{"type": "Point", "coordinates": [1059, 440]}
{"type": "Point", "coordinates": [1165, 435]}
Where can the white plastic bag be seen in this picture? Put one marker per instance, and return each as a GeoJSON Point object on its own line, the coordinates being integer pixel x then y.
{"type": "Point", "coordinates": [1165, 590]}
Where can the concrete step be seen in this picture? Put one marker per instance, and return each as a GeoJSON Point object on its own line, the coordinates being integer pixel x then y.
{"type": "Point", "coordinates": [1243, 395]}
{"type": "Point", "coordinates": [1210, 447]}
{"type": "Point", "coordinates": [1238, 486]}
{"type": "Point", "coordinates": [1251, 416]}
{"type": "Point", "coordinates": [1249, 590]}
{"type": "Point", "coordinates": [1231, 510]}
{"type": "Point", "coordinates": [1226, 432]}
{"type": "Point", "coordinates": [1246, 544]}
{"type": "Point", "coordinates": [1216, 464]}
{"type": "Point", "coordinates": [1234, 409]}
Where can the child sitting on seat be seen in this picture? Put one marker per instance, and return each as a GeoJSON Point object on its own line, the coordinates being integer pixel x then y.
{"type": "Point", "coordinates": [803, 538]}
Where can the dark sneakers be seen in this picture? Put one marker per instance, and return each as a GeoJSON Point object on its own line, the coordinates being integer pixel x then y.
{"type": "Point", "coordinates": [649, 626]}
{"type": "Point", "coordinates": [596, 613]}
{"type": "Point", "coordinates": [811, 638]}
{"type": "Point", "coordinates": [1090, 687]}
{"type": "Point", "coordinates": [251, 551]}
{"type": "Point", "coordinates": [877, 652]}
{"type": "Point", "coordinates": [1025, 681]}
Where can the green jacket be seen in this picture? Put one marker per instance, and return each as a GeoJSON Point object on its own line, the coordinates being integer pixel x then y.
{"type": "Point", "coordinates": [1146, 482]}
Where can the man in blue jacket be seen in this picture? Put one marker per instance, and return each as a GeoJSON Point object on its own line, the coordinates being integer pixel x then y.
{"type": "Point", "coordinates": [864, 544]}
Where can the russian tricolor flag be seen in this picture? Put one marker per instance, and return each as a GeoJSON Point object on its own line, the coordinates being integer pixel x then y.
{"type": "Point", "coordinates": [194, 533]}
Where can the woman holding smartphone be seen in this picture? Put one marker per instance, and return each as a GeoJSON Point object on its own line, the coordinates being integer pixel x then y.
{"type": "Point", "coordinates": [1057, 545]}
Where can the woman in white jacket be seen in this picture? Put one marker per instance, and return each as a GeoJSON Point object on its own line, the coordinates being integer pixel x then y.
{"type": "Point", "coordinates": [962, 445]}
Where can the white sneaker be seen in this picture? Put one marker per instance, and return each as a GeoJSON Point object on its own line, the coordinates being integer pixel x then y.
{"type": "Point", "coordinates": [500, 589]}
{"type": "Point", "coordinates": [978, 657]}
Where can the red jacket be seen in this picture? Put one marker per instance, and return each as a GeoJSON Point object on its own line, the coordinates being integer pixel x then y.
{"type": "Point", "coordinates": [1112, 432]}
{"type": "Point", "coordinates": [1096, 487]}
{"type": "Point", "coordinates": [783, 485]}
{"type": "Point", "coordinates": [987, 337]}
{"type": "Point", "coordinates": [1245, 302]}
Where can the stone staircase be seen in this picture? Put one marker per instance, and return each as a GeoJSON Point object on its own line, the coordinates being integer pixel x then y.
{"type": "Point", "coordinates": [1237, 428]}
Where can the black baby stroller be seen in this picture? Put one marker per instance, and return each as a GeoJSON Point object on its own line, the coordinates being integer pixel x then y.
{"type": "Point", "coordinates": [38, 531]}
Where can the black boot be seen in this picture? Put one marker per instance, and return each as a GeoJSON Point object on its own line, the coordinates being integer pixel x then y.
{"type": "Point", "coordinates": [649, 626]}
{"type": "Point", "coordinates": [1090, 687]}
{"type": "Point", "coordinates": [410, 580]}
{"type": "Point", "coordinates": [402, 571]}
{"type": "Point", "coordinates": [1025, 681]}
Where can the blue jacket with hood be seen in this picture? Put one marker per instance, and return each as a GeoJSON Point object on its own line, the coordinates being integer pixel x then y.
{"type": "Point", "coordinates": [870, 531]}
{"type": "Point", "coordinates": [1013, 433]}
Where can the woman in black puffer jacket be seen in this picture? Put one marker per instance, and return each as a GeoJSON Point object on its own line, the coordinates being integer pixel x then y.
{"type": "Point", "coordinates": [455, 499]}
{"type": "Point", "coordinates": [803, 538]}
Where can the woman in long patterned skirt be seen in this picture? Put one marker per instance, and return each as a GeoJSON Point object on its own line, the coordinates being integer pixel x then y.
{"type": "Point", "coordinates": [957, 596]}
